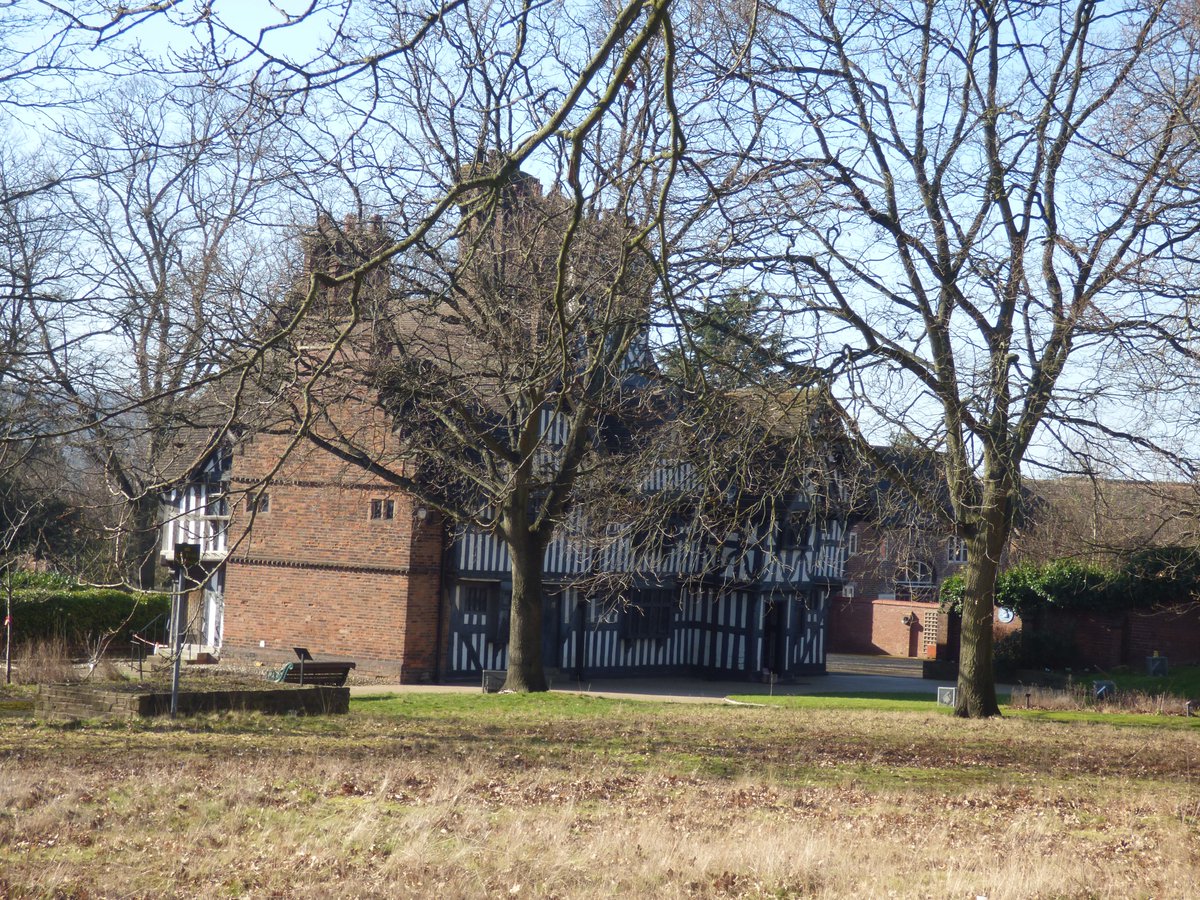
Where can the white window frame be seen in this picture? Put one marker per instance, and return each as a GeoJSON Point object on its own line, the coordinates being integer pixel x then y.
{"type": "Point", "coordinates": [381, 509]}
{"type": "Point", "coordinates": [599, 612]}
{"type": "Point", "coordinates": [921, 580]}
{"type": "Point", "coordinates": [956, 550]}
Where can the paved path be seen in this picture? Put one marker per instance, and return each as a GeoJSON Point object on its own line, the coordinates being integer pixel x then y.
{"type": "Point", "coordinates": [696, 690]}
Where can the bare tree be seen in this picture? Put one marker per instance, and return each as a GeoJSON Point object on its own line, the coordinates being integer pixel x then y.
{"type": "Point", "coordinates": [150, 286]}
{"type": "Point", "coordinates": [974, 194]}
{"type": "Point", "coordinates": [418, 96]}
{"type": "Point", "coordinates": [517, 314]}
{"type": "Point", "coordinates": [972, 209]}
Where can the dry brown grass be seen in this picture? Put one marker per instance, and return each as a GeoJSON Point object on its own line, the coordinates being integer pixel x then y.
{"type": "Point", "coordinates": [49, 661]}
{"type": "Point", "coordinates": [42, 662]}
{"type": "Point", "coordinates": [1083, 697]}
{"type": "Point", "coordinates": [636, 800]}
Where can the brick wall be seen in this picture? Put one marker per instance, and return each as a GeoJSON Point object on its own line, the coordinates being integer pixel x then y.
{"type": "Point", "coordinates": [1127, 639]}
{"type": "Point", "coordinates": [421, 638]}
{"type": "Point", "coordinates": [864, 625]}
{"type": "Point", "coordinates": [316, 570]}
{"type": "Point", "coordinates": [873, 620]}
{"type": "Point", "coordinates": [1174, 633]}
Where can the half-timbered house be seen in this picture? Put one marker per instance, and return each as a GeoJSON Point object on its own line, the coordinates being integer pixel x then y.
{"type": "Point", "coordinates": [290, 542]}
{"type": "Point", "coordinates": [324, 556]}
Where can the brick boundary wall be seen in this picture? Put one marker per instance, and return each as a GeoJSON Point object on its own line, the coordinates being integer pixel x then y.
{"type": "Point", "coordinates": [1128, 638]}
{"type": "Point", "coordinates": [69, 701]}
{"type": "Point", "coordinates": [876, 626]}
{"type": "Point", "coordinates": [861, 625]}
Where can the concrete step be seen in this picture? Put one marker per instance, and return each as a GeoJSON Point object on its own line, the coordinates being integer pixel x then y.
{"type": "Point", "coordinates": [853, 664]}
{"type": "Point", "coordinates": [195, 654]}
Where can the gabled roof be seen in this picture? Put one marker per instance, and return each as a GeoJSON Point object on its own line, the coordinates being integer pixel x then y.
{"type": "Point", "coordinates": [188, 450]}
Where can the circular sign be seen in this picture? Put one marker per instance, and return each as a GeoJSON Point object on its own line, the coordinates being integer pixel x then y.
{"type": "Point", "coordinates": [1004, 615]}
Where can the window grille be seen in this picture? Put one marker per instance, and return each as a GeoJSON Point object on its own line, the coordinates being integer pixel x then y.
{"type": "Point", "coordinates": [649, 614]}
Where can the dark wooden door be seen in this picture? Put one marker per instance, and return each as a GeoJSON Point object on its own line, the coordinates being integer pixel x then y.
{"type": "Point", "coordinates": [551, 631]}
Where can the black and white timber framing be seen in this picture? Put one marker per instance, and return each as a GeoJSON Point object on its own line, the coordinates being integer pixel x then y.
{"type": "Point", "coordinates": [195, 512]}
{"type": "Point", "coordinates": [755, 606]}
{"type": "Point", "coordinates": [721, 614]}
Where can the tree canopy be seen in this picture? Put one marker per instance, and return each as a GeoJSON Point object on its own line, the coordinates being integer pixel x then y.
{"type": "Point", "coordinates": [976, 220]}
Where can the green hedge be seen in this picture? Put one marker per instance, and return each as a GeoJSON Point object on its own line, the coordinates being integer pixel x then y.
{"type": "Point", "coordinates": [1148, 578]}
{"type": "Point", "coordinates": [80, 614]}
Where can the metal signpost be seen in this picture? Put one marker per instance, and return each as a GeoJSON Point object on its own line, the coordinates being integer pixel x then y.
{"type": "Point", "coordinates": [185, 555]}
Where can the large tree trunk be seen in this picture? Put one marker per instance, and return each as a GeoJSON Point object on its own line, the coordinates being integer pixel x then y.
{"type": "Point", "coordinates": [976, 696]}
{"type": "Point", "coordinates": [525, 672]}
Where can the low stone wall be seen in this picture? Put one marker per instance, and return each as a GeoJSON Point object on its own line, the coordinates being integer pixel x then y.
{"type": "Point", "coordinates": [73, 701]}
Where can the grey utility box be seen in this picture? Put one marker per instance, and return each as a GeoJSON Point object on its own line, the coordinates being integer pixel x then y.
{"type": "Point", "coordinates": [1157, 666]}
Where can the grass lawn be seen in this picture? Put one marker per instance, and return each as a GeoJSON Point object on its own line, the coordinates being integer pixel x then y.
{"type": "Point", "coordinates": [467, 795]}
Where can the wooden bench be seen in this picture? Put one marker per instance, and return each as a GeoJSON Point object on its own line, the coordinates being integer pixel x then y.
{"type": "Point", "coordinates": [310, 671]}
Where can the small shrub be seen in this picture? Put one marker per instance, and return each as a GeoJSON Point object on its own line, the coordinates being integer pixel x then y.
{"type": "Point", "coordinates": [44, 661]}
{"type": "Point", "coordinates": [104, 669]}
{"type": "Point", "coordinates": [950, 595]}
{"type": "Point", "coordinates": [1082, 696]}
